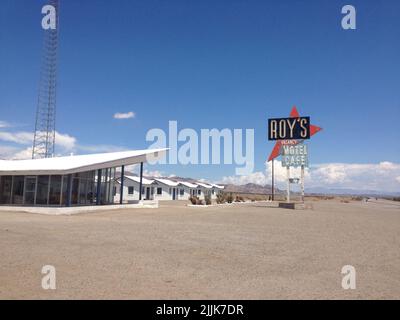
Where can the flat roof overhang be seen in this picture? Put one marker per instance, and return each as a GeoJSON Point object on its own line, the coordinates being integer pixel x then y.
{"type": "Point", "coordinates": [79, 163]}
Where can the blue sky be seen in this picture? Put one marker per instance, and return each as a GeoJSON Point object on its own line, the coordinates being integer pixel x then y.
{"type": "Point", "coordinates": [210, 64]}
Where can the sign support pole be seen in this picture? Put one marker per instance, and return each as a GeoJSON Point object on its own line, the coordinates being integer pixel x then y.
{"type": "Point", "coordinates": [273, 190]}
{"type": "Point", "coordinates": [288, 184]}
{"type": "Point", "coordinates": [302, 184]}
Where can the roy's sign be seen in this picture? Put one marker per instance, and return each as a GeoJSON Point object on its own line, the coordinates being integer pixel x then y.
{"type": "Point", "coordinates": [289, 128]}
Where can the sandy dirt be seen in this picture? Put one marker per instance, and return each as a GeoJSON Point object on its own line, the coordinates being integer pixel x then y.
{"type": "Point", "coordinates": [244, 251]}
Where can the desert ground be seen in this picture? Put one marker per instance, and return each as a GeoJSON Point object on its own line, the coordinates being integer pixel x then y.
{"type": "Point", "coordinates": [239, 251]}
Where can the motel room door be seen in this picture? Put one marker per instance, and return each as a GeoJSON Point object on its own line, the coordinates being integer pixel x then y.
{"type": "Point", "coordinates": [148, 193]}
{"type": "Point", "coordinates": [173, 193]}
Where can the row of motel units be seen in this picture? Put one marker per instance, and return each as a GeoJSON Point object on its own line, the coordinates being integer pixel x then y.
{"type": "Point", "coordinates": [163, 189]}
{"type": "Point", "coordinates": [68, 181]}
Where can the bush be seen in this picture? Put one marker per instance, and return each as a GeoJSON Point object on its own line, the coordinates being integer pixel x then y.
{"type": "Point", "coordinates": [199, 202]}
{"type": "Point", "coordinates": [193, 199]}
{"type": "Point", "coordinates": [229, 198]}
{"type": "Point", "coordinates": [207, 199]}
{"type": "Point", "coordinates": [221, 198]}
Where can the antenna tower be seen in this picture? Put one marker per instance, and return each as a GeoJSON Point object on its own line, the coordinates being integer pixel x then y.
{"type": "Point", "coordinates": [44, 138]}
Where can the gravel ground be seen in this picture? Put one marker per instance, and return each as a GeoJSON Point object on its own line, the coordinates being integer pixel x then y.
{"type": "Point", "coordinates": [246, 251]}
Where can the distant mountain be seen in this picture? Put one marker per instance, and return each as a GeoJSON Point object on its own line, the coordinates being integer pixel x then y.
{"type": "Point", "coordinates": [251, 188]}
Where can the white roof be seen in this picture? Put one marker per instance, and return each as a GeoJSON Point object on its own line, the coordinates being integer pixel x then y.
{"type": "Point", "coordinates": [217, 186]}
{"type": "Point", "coordinates": [188, 184]}
{"type": "Point", "coordinates": [137, 179]}
{"type": "Point", "coordinates": [167, 182]}
{"type": "Point", "coordinates": [73, 164]}
{"type": "Point", "coordinates": [204, 185]}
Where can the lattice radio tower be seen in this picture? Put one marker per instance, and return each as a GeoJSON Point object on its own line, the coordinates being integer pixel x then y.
{"type": "Point", "coordinates": [44, 138]}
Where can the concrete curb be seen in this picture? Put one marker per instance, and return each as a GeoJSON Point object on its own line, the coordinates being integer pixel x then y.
{"type": "Point", "coordinates": [57, 211]}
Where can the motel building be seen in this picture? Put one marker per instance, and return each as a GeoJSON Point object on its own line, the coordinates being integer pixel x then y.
{"type": "Point", "coordinates": [80, 180]}
{"type": "Point", "coordinates": [162, 189]}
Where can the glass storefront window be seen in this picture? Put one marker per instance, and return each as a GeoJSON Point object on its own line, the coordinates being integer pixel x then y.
{"type": "Point", "coordinates": [64, 190]}
{"type": "Point", "coordinates": [5, 189]}
{"type": "Point", "coordinates": [18, 190]}
{"type": "Point", "coordinates": [42, 190]}
{"type": "Point", "coordinates": [82, 190]}
{"type": "Point", "coordinates": [55, 190]}
{"type": "Point", "coordinates": [30, 190]}
{"type": "Point", "coordinates": [74, 194]}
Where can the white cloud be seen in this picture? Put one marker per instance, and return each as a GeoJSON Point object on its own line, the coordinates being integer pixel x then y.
{"type": "Point", "coordinates": [153, 173]}
{"type": "Point", "coordinates": [383, 176]}
{"type": "Point", "coordinates": [17, 137]}
{"type": "Point", "coordinates": [26, 138]}
{"type": "Point", "coordinates": [20, 145]}
{"type": "Point", "coordinates": [255, 177]}
{"type": "Point", "coordinates": [65, 141]}
{"type": "Point", "coordinates": [23, 154]}
{"type": "Point", "coordinates": [127, 115]}
{"type": "Point", "coordinates": [4, 124]}
{"type": "Point", "coordinates": [7, 152]}
{"type": "Point", "coordinates": [100, 148]}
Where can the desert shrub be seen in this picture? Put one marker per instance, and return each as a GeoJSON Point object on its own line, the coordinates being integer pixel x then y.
{"type": "Point", "coordinates": [193, 199]}
{"type": "Point", "coordinates": [229, 198]}
{"type": "Point", "coordinates": [199, 202]}
{"type": "Point", "coordinates": [239, 199]}
{"type": "Point", "coordinates": [356, 198]}
{"type": "Point", "coordinates": [221, 198]}
{"type": "Point", "coordinates": [207, 199]}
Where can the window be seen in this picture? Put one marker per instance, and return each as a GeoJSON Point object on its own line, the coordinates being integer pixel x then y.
{"type": "Point", "coordinates": [18, 190]}
{"type": "Point", "coordinates": [159, 190]}
{"type": "Point", "coordinates": [55, 190]}
{"type": "Point", "coordinates": [74, 192]}
{"type": "Point", "coordinates": [42, 189]}
{"type": "Point", "coordinates": [30, 189]}
{"type": "Point", "coordinates": [5, 189]}
{"type": "Point", "coordinates": [182, 192]}
{"type": "Point", "coordinates": [199, 192]}
{"type": "Point", "coordinates": [142, 190]}
{"type": "Point", "coordinates": [213, 191]}
{"type": "Point", "coordinates": [82, 191]}
{"type": "Point", "coordinates": [131, 189]}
